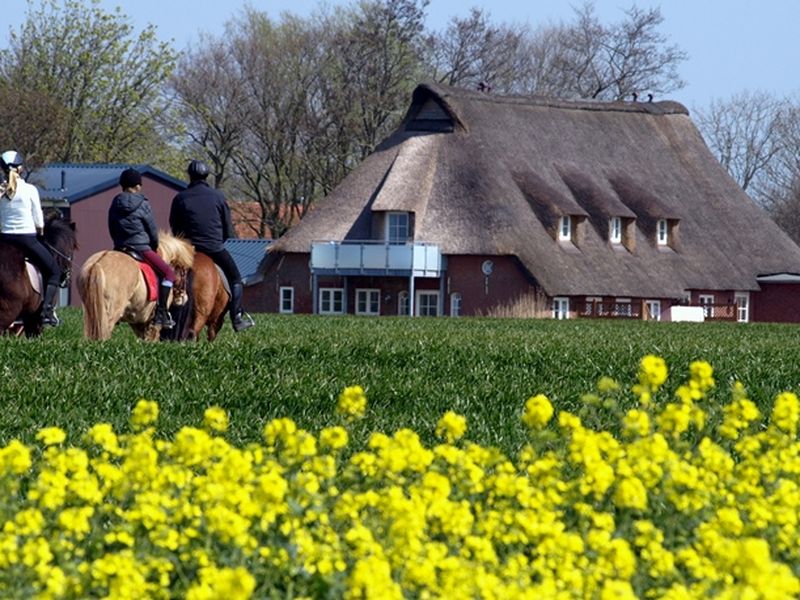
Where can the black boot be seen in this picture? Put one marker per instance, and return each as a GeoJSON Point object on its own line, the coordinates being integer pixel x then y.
{"type": "Point", "coordinates": [238, 319]}
{"type": "Point", "coordinates": [163, 318]}
{"type": "Point", "coordinates": [48, 310]}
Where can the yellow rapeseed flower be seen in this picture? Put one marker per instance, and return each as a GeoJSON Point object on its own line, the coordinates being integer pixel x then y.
{"type": "Point", "coordinates": [50, 436]}
{"type": "Point", "coordinates": [538, 411]}
{"type": "Point", "coordinates": [352, 402]}
{"type": "Point", "coordinates": [144, 413]}
{"type": "Point", "coordinates": [451, 426]}
{"type": "Point", "coordinates": [216, 419]}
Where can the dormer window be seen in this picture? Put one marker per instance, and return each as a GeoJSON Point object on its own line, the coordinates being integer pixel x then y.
{"type": "Point", "coordinates": [397, 227]}
{"type": "Point", "coordinates": [565, 229]}
{"type": "Point", "coordinates": [662, 232]}
{"type": "Point", "coordinates": [615, 230]}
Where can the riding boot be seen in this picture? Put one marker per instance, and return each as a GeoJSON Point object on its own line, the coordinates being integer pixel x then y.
{"type": "Point", "coordinates": [49, 316]}
{"type": "Point", "coordinates": [238, 319]}
{"type": "Point", "coordinates": [163, 318]}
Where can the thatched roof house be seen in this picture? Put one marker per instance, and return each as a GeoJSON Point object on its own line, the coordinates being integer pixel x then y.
{"type": "Point", "coordinates": [611, 203]}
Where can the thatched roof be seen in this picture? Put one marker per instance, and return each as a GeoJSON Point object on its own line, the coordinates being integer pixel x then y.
{"type": "Point", "coordinates": [491, 175]}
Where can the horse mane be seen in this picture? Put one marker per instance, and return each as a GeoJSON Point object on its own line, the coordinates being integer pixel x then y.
{"type": "Point", "coordinates": [60, 233]}
{"type": "Point", "coordinates": [175, 250]}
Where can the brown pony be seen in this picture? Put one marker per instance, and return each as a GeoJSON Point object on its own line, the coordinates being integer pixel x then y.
{"type": "Point", "coordinates": [206, 306]}
{"type": "Point", "coordinates": [20, 304]}
{"type": "Point", "coordinates": [113, 289]}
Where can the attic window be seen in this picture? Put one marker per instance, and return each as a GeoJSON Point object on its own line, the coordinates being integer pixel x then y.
{"type": "Point", "coordinates": [615, 230]}
{"type": "Point", "coordinates": [662, 232]}
{"type": "Point", "coordinates": [431, 117]}
{"type": "Point", "coordinates": [565, 228]}
{"type": "Point", "coordinates": [397, 227]}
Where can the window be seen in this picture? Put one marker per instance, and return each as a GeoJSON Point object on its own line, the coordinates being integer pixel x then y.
{"type": "Point", "coordinates": [427, 304]}
{"type": "Point", "coordinates": [368, 302]}
{"type": "Point", "coordinates": [662, 232]}
{"type": "Point", "coordinates": [615, 230]}
{"type": "Point", "coordinates": [593, 306]}
{"type": "Point", "coordinates": [455, 304]}
{"type": "Point", "coordinates": [397, 228]}
{"type": "Point", "coordinates": [402, 304]}
{"type": "Point", "coordinates": [653, 309]}
{"type": "Point", "coordinates": [331, 301]}
{"type": "Point", "coordinates": [287, 299]}
{"type": "Point", "coordinates": [622, 307]}
{"type": "Point", "coordinates": [707, 301]}
{"type": "Point", "coordinates": [560, 308]}
{"type": "Point", "coordinates": [565, 228]}
{"type": "Point", "coordinates": [742, 307]}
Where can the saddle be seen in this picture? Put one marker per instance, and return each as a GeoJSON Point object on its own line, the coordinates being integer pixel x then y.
{"type": "Point", "coordinates": [34, 276]}
{"type": "Point", "coordinates": [150, 278]}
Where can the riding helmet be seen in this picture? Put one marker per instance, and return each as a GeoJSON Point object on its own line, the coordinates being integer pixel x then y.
{"type": "Point", "coordinates": [11, 158]}
{"type": "Point", "coordinates": [197, 169]}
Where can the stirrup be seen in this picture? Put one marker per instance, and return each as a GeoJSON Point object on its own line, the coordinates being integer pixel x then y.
{"type": "Point", "coordinates": [163, 319]}
{"type": "Point", "coordinates": [50, 319]}
{"type": "Point", "coordinates": [242, 321]}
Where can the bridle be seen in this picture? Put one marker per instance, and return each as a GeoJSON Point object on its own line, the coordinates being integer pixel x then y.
{"type": "Point", "coordinates": [66, 268]}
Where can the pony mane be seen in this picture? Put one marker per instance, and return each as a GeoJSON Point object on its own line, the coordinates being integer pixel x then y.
{"type": "Point", "coordinates": [60, 232]}
{"type": "Point", "coordinates": [175, 250]}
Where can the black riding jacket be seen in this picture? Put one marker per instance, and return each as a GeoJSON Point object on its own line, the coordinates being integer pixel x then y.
{"type": "Point", "coordinates": [131, 222]}
{"type": "Point", "coordinates": [200, 214]}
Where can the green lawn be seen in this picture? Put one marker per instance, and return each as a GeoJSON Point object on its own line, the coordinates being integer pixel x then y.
{"type": "Point", "coordinates": [412, 369]}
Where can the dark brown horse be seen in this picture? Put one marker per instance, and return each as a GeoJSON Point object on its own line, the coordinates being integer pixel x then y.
{"type": "Point", "coordinates": [20, 303]}
{"type": "Point", "coordinates": [207, 304]}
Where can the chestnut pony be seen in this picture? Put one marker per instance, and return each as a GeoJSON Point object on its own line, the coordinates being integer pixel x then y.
{"type": "Point", "coordinates": [113, 289]}
{"type": "Point", "coordinates": [206, 306]}
{"type": "Point", "coordinates": [19, 302]}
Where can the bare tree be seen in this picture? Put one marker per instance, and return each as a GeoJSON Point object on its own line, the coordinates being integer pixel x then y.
{"type": "Point", "coordinates": [746, 133]}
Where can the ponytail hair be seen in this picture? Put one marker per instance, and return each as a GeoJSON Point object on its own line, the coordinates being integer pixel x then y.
{"type": "Point", "coordinates": [11, 186]}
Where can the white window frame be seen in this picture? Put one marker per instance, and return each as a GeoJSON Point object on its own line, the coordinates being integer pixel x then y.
{"type": "Point", "coordinates": [653, 309]}
{"type": "Point", "coordinates": [402, 304]}
{"type": "Point", "coordinates": [398, 233]}
{"type": "Point", "coordinates": [704, 300]}
{"type": "Point", "coordinates": [742, 300]}
{"type": "Point", "coordinates": [597, 301]}
{"type": "Point", "coordinates": [623, 306]}
{"type": "Point", "coordinates": [418, 303]}
{"type": "Point", "coordinates": [283, 296]}
{"type": "Point", "coordinates": [615, 230]}
{"type": "Point", "coordinates": [560, 307]}
{"type": "Point", "coordinates": [328, 296]}
{"type": "Point", "coordinates": [662, 232]}
{"type": "Point", "coordinates": [565, 228]}
{"type": "Point", "coordinates": [371, 297]}
{"type": "Point", "coordinates": [455, 304]}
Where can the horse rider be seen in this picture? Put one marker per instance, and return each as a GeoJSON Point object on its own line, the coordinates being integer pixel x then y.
{"type": "Point", "coordinates": [133, 227]}
{"type": "Point", "coordinates": [201, 214]}
{"type": "Point", "coordinates": [22, 224]}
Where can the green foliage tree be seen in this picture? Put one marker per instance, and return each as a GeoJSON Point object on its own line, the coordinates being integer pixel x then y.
{"type": "Point", "coordinates": [103, 79]}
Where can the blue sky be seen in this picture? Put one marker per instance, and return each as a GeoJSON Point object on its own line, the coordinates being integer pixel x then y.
{"type": "Point", "coordinates": [733, 45]}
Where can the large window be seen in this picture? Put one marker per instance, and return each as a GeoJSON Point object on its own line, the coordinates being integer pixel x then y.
{"type": "Point", "coordinates": [331, 301]}
{"type": "Point", "coordinates": [653, 309]}
{"type": "Point", "coordinates": [397, 228]}
{"type": "Point", "coordinates": [560, 308]}
{"type": "Point", "coordinates": [287, 299]}
{"type": "Point", "coordinates": [402, 304]}
{"type": "Point", "coordinates": [427, 304]}
{"type": "Point", "coordinates": [707, 301]}
{"type": "Point", "coordinates": [622, 307]}
{"type": "Point", "coordinates": [368, 302]}
{"type": "Point", "coordinates": [742, 306]}
{"type": "Point", "coordinates": [455, 304]}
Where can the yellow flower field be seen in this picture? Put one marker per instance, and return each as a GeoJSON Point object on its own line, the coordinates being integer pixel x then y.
{"type": "Point", "coordinates": [675, 505]}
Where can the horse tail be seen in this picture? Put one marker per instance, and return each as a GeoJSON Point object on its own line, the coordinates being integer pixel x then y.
{"type": "Point", "coordinates": [96, 323]}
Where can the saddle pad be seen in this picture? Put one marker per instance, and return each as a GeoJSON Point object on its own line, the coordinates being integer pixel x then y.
{"type": "Point", "coordinates": [34, 276]}
{"type": "Point", "coordinates": [150, 281]}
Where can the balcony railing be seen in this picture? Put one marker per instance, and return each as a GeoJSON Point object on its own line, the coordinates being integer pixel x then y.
{"type": "Point", "coordinates": [719, 312]}
{"type": "Point", "coordinates": [594, 309]}
{"type": "Point", "coordinates": [376, 258]}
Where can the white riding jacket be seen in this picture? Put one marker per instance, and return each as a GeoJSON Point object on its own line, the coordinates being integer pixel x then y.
{"type": "Point", "coordinates": [23, 212]}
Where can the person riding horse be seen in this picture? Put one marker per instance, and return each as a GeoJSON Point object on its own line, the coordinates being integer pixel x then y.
{"type": "Point", "coordinates": [133, 227]}
{"type": "Point", "coordinates": [201, 214]}
{"type": "Point", "coordinates": [22, 224]}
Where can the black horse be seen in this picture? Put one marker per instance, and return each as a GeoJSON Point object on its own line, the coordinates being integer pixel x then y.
{"type": "Point", "coordinates": [20, 304]}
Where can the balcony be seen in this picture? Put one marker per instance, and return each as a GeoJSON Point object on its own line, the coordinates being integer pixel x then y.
{"type": "Point", "coordinates": [416, 259]}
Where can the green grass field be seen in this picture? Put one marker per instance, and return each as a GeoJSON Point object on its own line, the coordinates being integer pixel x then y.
{"type": "Point", "coordinates": [412, 369]}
